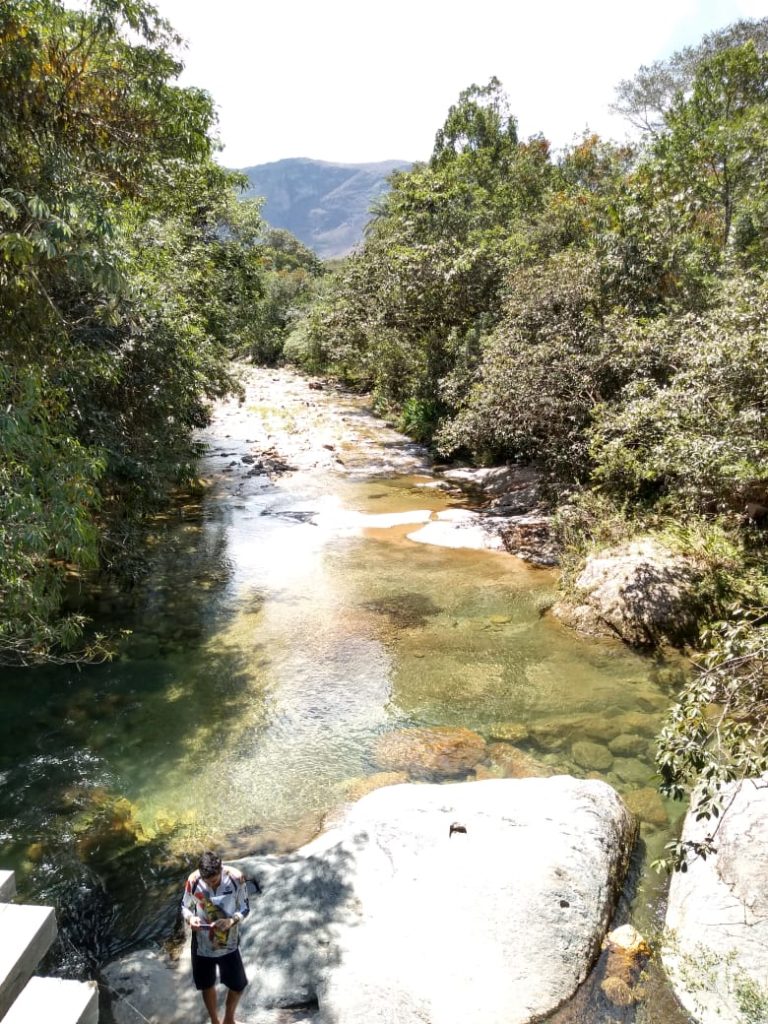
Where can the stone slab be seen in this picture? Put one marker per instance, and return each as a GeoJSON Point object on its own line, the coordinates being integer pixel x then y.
{"type": "Point", "coordinates": [56, 1001]}
{"type": "Point", "coordinates": [26, 934]}
{"type": "Point", "coordinates": [461, 528]}
{"type": "Point", "coordinates": [7, 886]}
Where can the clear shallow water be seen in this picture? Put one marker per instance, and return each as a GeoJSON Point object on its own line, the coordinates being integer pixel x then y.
{"type": "Point", "coordinates": [281, 632]}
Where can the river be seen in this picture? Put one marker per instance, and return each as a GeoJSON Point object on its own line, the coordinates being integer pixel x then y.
{"type": "Point", "coordinates": [287, 621]}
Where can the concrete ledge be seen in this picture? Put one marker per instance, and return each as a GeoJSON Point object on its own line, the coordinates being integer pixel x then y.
{"type": "Point", "coordinates": [55, 1001]}
{"type": "Point", "coordinates": [26, 934]}
{"type": "Point", "coordinates": [7, 886]}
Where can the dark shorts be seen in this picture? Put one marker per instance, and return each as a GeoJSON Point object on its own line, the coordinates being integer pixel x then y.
{"type": "Point", "coordinates": [231, 970]}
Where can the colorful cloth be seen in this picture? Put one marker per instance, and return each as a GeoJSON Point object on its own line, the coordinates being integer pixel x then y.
{"type": "Point", "coordinates": [230, 898]}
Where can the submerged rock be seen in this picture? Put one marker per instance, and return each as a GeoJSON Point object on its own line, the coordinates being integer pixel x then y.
{"type": "Point", "coordinates": [446, 750]}
{"type": "Point", "coordinates": [627, 954]}
{"type": "Point", "coordinates": [515, 763]}
{"type": "Point", "coordinates": [647, 804]}
{"type": "Point", "coordinates": [617, 991]}
{"type": "Point", "coordinates": [632, 771]}
{"type": "Point", "coordinates": [509, 732]}
{"type": "Point", "coordinates": [603, 728]}
{"type": "Point", "coordinates": [592, 756]}
{"type": "Point", "coordinates": [641, 592]}
{"type": "Point", "coordinates": [355, 789]}
{"type": "Point", "coordinates": [396, 915]}
{"type": "Point", "coordinates": [626, 947]}
{"type": "Point", "coordinates": [405, 610]}
{"type": "Point", "coordinates": [717, 919]}
{"type": "Point", "coordinates": [628, 745]}
{"type": "Point", "coordinates": [109, 822]}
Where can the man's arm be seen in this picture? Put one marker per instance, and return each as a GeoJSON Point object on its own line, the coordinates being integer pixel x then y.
{"type": "Point", "coordinates": [241, 898]}
{"type": "Point", "coordinates": [189, 906]}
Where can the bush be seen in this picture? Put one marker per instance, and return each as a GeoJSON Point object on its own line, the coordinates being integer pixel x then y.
{"type": "Point", "coordinates": [698, 439]}
{"type": "Point", "coordinates": [540, 373]}
{"type": "Point", "coordinates": [717, 732]}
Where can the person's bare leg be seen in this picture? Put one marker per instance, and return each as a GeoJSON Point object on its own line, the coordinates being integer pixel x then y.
{"type": "Point", "coordinates": [209, 998]}
{"type": "Point", "coordinates": [233, 998]}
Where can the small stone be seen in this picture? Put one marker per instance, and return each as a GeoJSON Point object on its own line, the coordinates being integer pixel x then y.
{"type": "Point", "coordinates": [627, 938]}
{"type": "Point", "coordinates": [617, 991]}
{"type": "Point", "coordinates": [509, 732]}
{"type": "Point", "coordinates": [500, 620]}
{"type": "Point", "coordinates": [626, 745]}
{"type": "Point", "coordinates": [632, 771]}
{"type": "Point", "coordinates": [626, 957]}
{"type": "Point", "coordinates": [592, 756]}
{"type": "Point", "coordinates": [648, 806]}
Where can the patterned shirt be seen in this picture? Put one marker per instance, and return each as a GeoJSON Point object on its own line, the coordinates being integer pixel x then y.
{"type": "Point", "coordinates": [229, 899]}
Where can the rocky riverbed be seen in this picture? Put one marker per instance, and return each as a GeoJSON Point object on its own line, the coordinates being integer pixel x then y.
{"type": "Point", "coordinates": [293, 647]}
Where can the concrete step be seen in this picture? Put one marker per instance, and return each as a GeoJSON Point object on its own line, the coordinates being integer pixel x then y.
{"type": "Point", "coordinates": [7, 886]}
{"type": "Point", "coordinates": [26, 934]}
{"type": "Point", "coordinates": [56, 1001]}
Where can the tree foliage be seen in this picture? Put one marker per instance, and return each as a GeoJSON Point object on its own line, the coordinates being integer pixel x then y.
{"type": "Point", "coordinates": [291, 276]}
{"type": "Point", "coordinates": [693, 433]}
{"type": "Point", "coordinates": [717, 731]}
{"type": "Point", "coordinates": [127, 268]}
{"type": "Point", "coordinates": [646, 99]}
{"type": "Point", "coordinates": [512, 306]}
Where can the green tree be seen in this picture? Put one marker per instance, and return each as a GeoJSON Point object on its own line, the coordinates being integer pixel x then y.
{"type": "Point", "coordinates": [291, 275]}
{"type": "Point", "coordinates": [542, 370]}
{"type": "Point", "coordinates": [406, 309]}
{"type": "Point", "coordinates": [691, 427]}
{"type": "Point", "coordinates": [126, 271]}
{"type": "Point", "coordinates": [647, 98]}
{"type": "Point", "coordinates": [715, 148]}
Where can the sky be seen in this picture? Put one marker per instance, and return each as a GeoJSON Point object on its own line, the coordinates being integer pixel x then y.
{"type": "Point", "coordinates": [353, 81]}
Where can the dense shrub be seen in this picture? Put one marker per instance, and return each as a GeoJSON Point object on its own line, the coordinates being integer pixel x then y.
{"type": "Point", "coordinates": [698, 437]}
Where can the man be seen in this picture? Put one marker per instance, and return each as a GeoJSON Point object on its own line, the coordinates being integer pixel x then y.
{"type": "Point", "coordinates": [215, 901]}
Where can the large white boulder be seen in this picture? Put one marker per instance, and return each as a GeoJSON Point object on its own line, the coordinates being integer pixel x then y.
{"type": "Point", "coordinates": [641, 592]}
{"type": "Point", "coordinates": [393, 916]}
{"type": "Point", "coordinates": [717, 919]}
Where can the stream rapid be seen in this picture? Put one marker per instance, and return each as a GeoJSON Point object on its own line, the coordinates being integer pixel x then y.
{"type": "Point", "coordinates": [286, 623]}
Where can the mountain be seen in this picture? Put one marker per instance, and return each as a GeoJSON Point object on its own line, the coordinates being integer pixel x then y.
{"type": "Point", "coordinates": [325, 205]}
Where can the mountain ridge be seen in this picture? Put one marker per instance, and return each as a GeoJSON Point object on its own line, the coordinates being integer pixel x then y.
{"type": "Point", "coordinates": [325, 204]}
